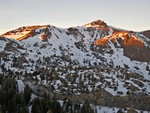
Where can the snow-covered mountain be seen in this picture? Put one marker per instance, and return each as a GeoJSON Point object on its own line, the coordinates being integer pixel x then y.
{"type": "Point", "coordinates": [96, 56]}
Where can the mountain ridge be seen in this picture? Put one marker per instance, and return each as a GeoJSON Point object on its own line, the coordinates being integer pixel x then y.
{"type": "Point", "coordinates": [48, 47]}
{"type": "Point", "coordinates": [98, 24]}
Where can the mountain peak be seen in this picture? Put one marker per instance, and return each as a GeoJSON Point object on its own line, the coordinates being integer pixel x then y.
{"type": "Point", "coordinates": [99, 24]}
{"type": "Point", "coordinates": [24, 32]}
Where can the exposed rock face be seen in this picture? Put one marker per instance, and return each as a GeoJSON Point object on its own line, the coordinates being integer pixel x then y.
{"type": "Point", "coordinates": [146, 33]}
{"type": "Point", "coordinates": [25, 32]}
{"type": "Point", "coordinates": [120, 39]}
{"type": "Point", "coordinates": [98, 24]}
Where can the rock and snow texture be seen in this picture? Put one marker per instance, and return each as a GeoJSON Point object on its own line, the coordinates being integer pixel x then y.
{"type": "Point", "coordinates": [102, 109]}
{"type": "Point", "coordinates": [43, 46]}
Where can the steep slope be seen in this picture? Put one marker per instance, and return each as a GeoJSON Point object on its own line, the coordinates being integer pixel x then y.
{"type": "Point", "coordinates": [95, 55]}
{"type": "Point", "coordinates": [121, 39]}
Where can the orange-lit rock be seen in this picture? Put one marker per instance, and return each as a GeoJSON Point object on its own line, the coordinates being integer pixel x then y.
{"type": "Point", "coordinates": [43, 36]}
{"type": "Point", "coordinates": [124, 38]}
{"type": "Point", "coordinates": [98, 24]}
{"type": "Point", "coordinates": [23, 32]}
{"type": "Point", "coordinates": [101, 42]}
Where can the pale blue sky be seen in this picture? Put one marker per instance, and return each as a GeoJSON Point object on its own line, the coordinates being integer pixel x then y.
{"type": "Point", "coordinates": [127, 14]}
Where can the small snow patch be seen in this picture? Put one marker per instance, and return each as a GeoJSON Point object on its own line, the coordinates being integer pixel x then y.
{"type": "Point", "coordinates": [20, 85]}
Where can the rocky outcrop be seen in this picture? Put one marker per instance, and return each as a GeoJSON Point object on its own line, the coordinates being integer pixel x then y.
{"type": "Point", "coordinates": [98, 24]}
{"type": "Point", "coordinates": [25, 32]}
{"type": "Point", "coordinates": [121, 39]}
{"type": "Point", "coordinates": [146, 33]}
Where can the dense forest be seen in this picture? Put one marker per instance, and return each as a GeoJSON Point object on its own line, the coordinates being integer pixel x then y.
{"type": "Point", "coordinates": [13, 101]}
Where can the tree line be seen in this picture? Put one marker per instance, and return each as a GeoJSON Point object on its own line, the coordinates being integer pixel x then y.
{"type": "Point", "coordinates": [13, 101]}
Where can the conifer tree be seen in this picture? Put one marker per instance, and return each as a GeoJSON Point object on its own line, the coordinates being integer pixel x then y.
{"type": "Point", "coordinates": [27, 94]}
{"type": "Point", "coordinates": [37, 106]}
{"type": "Point", "coordinates": [86, 108]}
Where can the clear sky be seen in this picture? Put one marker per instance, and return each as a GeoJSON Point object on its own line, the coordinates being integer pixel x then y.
{"type": "Point", "coordinates": [127, 14]}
